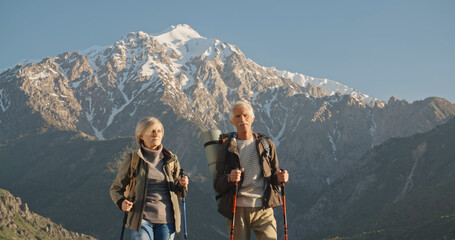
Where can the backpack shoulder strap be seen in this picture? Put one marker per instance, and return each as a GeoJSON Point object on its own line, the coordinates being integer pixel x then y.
{"type": "Point", "coordinates": [266, 145]}
{"type": "Point", "coordinates": [134, 164]}
{"type": "Point", "coordinates": [130, 191]}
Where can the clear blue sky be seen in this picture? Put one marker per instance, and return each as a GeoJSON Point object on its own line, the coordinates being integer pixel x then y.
{"type": "Point", "coordinates": [383, 48]}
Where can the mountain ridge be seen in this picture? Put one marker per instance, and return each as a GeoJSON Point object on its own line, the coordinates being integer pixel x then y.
{"type": "Point", "coordinates": [405, 192]}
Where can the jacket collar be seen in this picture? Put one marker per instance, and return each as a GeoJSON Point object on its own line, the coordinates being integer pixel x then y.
{"type": "Point", "coordinates": [168, 155]}
{"type": "Point", "coordinates": [233, 144]}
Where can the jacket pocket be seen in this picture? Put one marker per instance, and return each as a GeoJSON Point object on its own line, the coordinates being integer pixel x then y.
{"type": "Point", "coordinates": [225, 204]}
{"type": "Point", "coordinates": [275, 196]}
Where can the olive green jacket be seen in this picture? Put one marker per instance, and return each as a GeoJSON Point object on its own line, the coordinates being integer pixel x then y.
{"type": "Point", "coordinates": [171, 170]}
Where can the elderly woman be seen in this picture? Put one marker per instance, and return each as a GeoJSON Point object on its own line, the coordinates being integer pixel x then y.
{"type": "Point", "coordinates": [154, 213]}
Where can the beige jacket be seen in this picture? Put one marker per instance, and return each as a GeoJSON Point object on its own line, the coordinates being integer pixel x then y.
{"type": "Point", "coordinates": [171, 170]}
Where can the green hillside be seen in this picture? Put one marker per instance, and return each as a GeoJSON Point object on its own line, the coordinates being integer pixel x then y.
{"type": "Point", "coordinates": [18, 222]}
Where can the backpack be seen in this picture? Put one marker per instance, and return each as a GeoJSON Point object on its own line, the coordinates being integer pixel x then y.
{"type": "Point", "coordinates": [130, 190]}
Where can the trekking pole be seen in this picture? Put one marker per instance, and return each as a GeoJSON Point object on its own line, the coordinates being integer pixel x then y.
{"type": "Point", "coordinates": [283, 196]}
{"type": "Point", "coordinates": [125, 217]}
{"type": "Point", "coordinates": [185, 235]}
{"type": "Point", "coordinates": [234, 202]}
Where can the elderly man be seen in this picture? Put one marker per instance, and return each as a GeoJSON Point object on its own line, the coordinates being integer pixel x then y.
{"type": "Point", "coordinates": [248, 160]}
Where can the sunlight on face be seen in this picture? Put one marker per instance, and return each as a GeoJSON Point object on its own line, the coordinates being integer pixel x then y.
{"type": "Point", "coordinates": [242, 118]}
{"type": "Point", "coordinates": [152, 136]}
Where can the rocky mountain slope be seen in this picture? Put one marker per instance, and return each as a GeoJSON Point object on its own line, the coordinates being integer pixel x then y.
{"type": "Point", "coordinates": [403, 189]}
{"type": "Point", "coordinates": [18, 222]}
{"type": "Point", "coordinates": [190, 82]}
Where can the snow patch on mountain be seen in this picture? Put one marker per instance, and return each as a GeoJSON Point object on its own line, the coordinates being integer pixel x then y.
{"type": "Point", "coordinates": [280, 136]}
{"type": "Point", "coordinates": [90, 116]}
{"type": "Point", "coordinates": [40, 75]}
{"type": "Point", "coordinates": [4, 101]}
{"type": "Point", "coordinates": [148, 69]}
{"type": "Point", "coordinates": [331, 87]}
{"type": "Point", "coordinates": [373, 129]}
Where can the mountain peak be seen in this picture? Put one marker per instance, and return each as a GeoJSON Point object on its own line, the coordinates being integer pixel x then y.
{"type": "Point", "coordinates": [172, 34]}
{"type": "Point", "coordinates": [178, 34]}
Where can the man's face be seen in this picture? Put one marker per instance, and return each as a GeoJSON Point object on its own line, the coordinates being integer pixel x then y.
{"type": "Point", "coordinates": [242, 118]}
{"type": "Point", "coordinates": [152, 136]}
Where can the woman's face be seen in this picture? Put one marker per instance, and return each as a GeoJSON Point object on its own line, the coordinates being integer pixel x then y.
{"type": "Point", "coordinates": [152, 136]}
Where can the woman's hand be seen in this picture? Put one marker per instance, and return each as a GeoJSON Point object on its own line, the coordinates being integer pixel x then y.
{"type": "Point", "coordinates": [183, 181]}
{"type": "Point", "coordinates": [126, 205]}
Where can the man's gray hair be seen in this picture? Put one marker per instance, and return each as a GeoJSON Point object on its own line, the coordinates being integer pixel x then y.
{"type": "Point", "coordinates": [244, 103]}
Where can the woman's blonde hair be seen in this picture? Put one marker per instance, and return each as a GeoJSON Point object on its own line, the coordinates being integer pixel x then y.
{"type": "Point", "coordinates": [144, 124]}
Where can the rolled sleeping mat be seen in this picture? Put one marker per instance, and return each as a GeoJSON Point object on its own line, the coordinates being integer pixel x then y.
{"type": "Point", "coordinates": [212, 143]}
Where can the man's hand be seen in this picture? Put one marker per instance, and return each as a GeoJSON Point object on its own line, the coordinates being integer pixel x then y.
{"type": "Point", "coordinates": [283, 176]}
{"type": "Point", "coordinates": [235, 175]}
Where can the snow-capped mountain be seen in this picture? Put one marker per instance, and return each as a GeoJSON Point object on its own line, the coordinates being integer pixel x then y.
{"type": "Point", "coordinates": [190, 82]}
{"type": "Point", "coordinates": [178, 61]}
